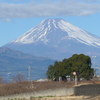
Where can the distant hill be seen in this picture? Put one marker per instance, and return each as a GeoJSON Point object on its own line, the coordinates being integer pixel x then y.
{"type": "Point", "coordinates": [13, 62]}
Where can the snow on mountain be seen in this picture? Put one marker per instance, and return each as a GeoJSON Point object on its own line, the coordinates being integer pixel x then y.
{"type": "Point", "coordinates": [51, 28]}
{"type": "Point", "coordinates": [56, 39]}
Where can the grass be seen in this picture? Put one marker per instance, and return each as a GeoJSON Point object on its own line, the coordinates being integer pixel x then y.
{"type": "Point", "coordinates": [52, 98]}
{"type": "Point", "coordinates": [58, 98]}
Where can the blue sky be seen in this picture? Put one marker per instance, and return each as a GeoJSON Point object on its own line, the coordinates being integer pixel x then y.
{"type": "Point", "coordinates": [18, 16]}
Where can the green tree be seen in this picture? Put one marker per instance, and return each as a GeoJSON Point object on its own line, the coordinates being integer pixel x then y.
{"type": "Point", "coordinates": [81, 64]}
{"type": "Point", "coordinates": [50, 72]}
{"type": "Point", "coordinates": [55, 71]}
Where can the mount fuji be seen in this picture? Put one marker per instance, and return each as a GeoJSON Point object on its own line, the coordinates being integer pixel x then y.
{"type": "Point", "coordinates": [56, 39]}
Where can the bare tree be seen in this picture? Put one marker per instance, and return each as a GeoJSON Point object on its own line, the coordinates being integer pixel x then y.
{"type": "Point", "coordinates": [1, 80]}
{"type": "Point", "coordinates": [18, 78]}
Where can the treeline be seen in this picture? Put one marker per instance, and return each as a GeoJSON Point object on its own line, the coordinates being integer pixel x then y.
{"type": "Point", "coordinates": [81, 64]}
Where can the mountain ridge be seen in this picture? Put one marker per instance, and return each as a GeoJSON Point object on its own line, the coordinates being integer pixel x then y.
{"type": "Point", "coordinates": [14, 62]}
{"type": "Point", "coordinates": [56, 39]}
{"type": "Point", "coordinates": [69, 30]}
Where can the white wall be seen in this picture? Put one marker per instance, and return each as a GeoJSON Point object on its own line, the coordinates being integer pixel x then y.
{"type": "Point", "coordinates": [49, 92]}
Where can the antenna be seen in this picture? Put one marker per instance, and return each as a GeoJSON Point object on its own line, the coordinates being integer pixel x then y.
{"type": "Point", "coordinates": [29, 68]}
{"type": "Point", "coordinates": [94, 65]}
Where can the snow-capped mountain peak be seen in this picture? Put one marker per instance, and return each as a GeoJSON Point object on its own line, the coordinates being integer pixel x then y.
{"type": "Point", "coordinates": [58, 29]}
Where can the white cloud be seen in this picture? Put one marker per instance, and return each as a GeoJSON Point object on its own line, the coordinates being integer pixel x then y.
{"type": "Point", "coordinates": [50, 8]}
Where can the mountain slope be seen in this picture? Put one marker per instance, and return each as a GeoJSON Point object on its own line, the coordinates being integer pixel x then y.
{"type": "Point", "coordinates": [57, 39]}
{"type": "Point", "coordinates": [12, 61]}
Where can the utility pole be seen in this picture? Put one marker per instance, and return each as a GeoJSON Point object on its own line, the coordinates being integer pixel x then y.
{"type": "Point", "coordinates": [74, 73]}
{"type": "Point", "coordinates": [94, 65]}
{"type": "Point", "coordinates": [29, 68]}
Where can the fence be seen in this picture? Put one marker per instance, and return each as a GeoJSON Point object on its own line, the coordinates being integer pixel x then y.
{"type": "Point", "coordinates": [87, 90]}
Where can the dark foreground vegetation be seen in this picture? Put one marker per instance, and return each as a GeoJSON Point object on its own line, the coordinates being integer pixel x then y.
{"type": "Point", "coordinates": [23, 87]}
